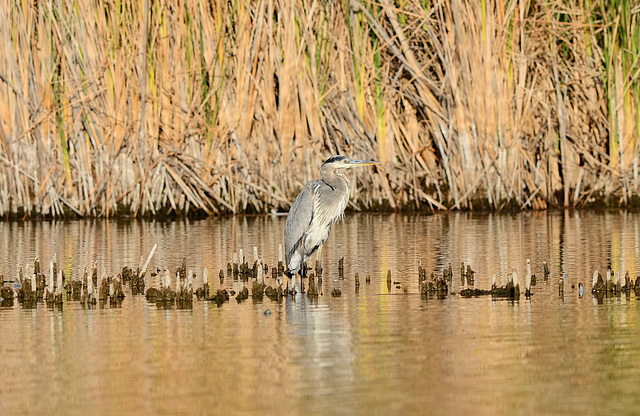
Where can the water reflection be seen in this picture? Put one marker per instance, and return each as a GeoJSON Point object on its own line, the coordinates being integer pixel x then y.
{"type": "Point", "coordinates": [374, 351]}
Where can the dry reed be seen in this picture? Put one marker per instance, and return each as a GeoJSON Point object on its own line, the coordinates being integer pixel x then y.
{"type": "Point", "coordinates": [145, 108]}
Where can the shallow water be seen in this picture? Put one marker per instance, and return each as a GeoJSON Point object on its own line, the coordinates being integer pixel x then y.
{"type": "Point", "coordinates": [374, 351]}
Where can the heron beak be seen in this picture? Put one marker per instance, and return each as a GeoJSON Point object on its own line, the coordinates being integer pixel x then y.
{"type": "Point", "coordinates": [353, 163]}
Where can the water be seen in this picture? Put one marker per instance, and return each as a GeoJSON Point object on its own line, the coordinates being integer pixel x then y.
{"type": "Point", "coordinates": [372, 352]}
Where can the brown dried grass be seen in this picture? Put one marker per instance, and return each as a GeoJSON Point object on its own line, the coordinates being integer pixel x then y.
{"type": "Point", "coordinates": [150, 108]}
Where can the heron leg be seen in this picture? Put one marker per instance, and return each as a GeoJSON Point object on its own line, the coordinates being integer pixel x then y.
{"type": "Point", "coordinates": [292, 289]}
{"type": "Point", "coordinates": [319, 261]}
{"type": "Point", "coordinates": [303, 274]}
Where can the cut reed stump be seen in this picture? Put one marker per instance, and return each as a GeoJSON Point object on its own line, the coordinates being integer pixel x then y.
{"type": "Point", "coordinates": [528, 274]}
{"type": "Point", "coordinates": [220, 297]}
{"type": "Point", "coordinates": [276, 294]}
{"type": "Point", "coordinates": [243, 295]}
{"type": "Point", "coordinates": [110, 290]}
{"type": "Point", "coordinates": [470, 275]}
{"type": "Point", "coordinates": [545, 270]}
{"type": "Point", "coordinates": [422, 274]}
{"type": "Point", "coordinates": [447, 274]}
{"type": "Point", "coordinates": [280, 262]}
{"type": "Point", "coordinates": [54, 291]}
{"type": "Point", "coordinates": [164, 294]}
{"type": "Point", "coordinates": [134, 280]}
{"type": "Point", "coordinates": [509, 289]}
{"type": "Point", "coordinates": [6, 292]}
{"type": "Point", "coordinates": [312, 290]}
{"type": "Point", "coordinates": [257, 290]}
{"type": "Point", "coordinates": [627, 284]}
{"type": "Point", "coordinates": [436, 285]}
{"type": "Point", "coordinates": [528, 279]}
{"type": "Point", "coordinates": [598, 288]}
{"type": "Point", "coordinates": [203, 292]}
{"type": "Point", "coordinates": [184, 287]}
{"type": "Point", "coordinates": [474, 292]}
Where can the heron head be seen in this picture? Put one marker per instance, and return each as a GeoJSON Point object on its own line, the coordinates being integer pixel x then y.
{"type": "Point", "coordinates": [343, 162]}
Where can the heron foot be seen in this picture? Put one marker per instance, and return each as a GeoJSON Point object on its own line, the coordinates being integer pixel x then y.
{"type": "Point", "coordinates": [291, 289]}
{"type": "Point", "coordinates": [291, 286]}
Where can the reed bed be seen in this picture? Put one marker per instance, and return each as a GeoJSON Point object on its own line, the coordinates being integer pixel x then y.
{"type": "Point", "coordinates": [161, 108]}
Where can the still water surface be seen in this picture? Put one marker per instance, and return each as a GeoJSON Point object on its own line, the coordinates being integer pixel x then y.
{"type": "Point", "coordinates": [375, 351]}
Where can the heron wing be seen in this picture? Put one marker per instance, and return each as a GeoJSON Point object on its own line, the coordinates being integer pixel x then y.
{"type": "Point", "coordinates": [298, 221]}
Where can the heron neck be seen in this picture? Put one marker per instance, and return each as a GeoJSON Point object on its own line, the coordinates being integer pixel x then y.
{"type": "Point", "coordinates": [336, 180]}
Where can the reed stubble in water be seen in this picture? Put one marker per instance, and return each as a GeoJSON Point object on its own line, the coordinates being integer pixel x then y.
{"type": "Point", "coordinates": [180, 291]}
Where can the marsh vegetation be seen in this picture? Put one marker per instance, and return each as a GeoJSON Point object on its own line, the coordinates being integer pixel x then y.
{"type": "Point", "coordinates": [146, 108]}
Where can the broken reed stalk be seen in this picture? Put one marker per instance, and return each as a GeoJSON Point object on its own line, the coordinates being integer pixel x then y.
{"type": "Point", "coordinates": [524, 82]}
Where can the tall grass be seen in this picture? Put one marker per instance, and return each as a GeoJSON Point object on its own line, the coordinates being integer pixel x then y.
{"type": "Point", "coordinates": [142, 108]}
{"type": "Point", "coordinates": [620, 39]}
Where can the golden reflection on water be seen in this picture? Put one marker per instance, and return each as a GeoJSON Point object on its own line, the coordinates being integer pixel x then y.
{"type": "Point", "coordinates": [374, 351]}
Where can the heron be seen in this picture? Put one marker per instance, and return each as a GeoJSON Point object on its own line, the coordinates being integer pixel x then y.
{"type": "Point", "coordinates": [316, 208]}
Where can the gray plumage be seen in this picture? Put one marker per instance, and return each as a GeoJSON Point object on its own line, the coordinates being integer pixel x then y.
{"type": "Point", "coordinates": [320, 203]}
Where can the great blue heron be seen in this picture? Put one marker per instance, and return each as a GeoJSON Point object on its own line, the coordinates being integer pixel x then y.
{"type": "Point", "coordinates": [320, 203]}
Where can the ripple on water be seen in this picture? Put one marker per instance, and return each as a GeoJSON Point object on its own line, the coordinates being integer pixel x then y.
{"type": "Point", "coordinates": [371, 351]}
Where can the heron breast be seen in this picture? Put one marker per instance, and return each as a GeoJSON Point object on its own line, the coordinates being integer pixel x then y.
{"type": "Point", "coordinates": [324, 215]}
{"type": "Point", "coordinates": [315, 236]}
